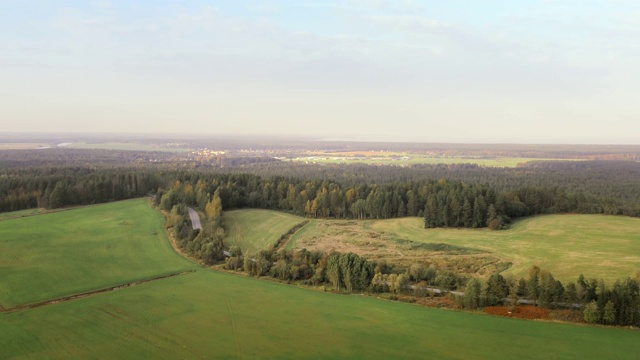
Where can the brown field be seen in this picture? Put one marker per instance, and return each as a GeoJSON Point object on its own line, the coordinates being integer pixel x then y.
{"type": "Point", "coordinates": [359, 238]}
{"type": "Point", "coordinates": [21, 146]}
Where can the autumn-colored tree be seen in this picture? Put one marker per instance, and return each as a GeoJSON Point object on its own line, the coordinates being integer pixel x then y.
{"type": "Point", "coordinates": [214, 207]}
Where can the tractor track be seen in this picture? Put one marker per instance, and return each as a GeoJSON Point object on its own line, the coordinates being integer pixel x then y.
{"type": "Point", "coordinates": [88, 293]}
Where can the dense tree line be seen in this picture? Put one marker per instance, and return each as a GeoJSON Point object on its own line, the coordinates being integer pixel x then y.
{"type": "Point", "coordinates": [607, 186]}
{"type": "Point", "coordinates": [206, 244]}
{"type": "Point", "coordinates": [442, 203]}
{"type": "Point", "coordinates": [344, 271]}
{"type": "Point", "coordinates": [602, 304]}
{"type": "Point", "coordinates": [60, 187]}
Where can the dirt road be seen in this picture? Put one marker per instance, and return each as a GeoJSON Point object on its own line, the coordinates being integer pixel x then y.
{"type": "Point", "coordinates": [195, 219]}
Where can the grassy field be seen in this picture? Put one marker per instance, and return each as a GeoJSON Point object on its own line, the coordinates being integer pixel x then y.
{"type": "Point", "coordinates": [19, 214]}
{"type": "Point", "coordinates": [63, 253]}
{"type": "Point", "coordinates": [598, 246]}
{"type": "Point", "coordinates": [133, 146]}
{"type": "Point", "coordinates": [567, 245]}
{"type": "Point", "coordinates": [206, 314]}
{"type": "Point", "coordinates": [411, 159]}
{"type": "Point", "coordinates": [254, 230]}
{"type": "Point", "coordinates": [212, 315]}
{"type": "Point", "coordinates": [22, 146]}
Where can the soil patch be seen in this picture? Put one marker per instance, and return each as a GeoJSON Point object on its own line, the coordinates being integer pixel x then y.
{"type": "Point", "coordinates": [521, 312]}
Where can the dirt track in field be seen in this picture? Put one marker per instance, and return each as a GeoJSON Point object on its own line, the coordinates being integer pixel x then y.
{"type": "Point", "coordinates": [87, 294]}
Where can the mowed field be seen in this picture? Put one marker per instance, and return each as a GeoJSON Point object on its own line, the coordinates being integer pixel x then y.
{"type": "Point", "coordinates": [19, 214]}
{"type": "Point", "coordinates": [254, 229]}
{"type": "Point", "coordinates": [213, 315]}
{"type": "Point", "coordinates": [597, 246]}
{"type": "Point", "coordinates": [206, 314]}
{"type": "Point", "coordinates": [63, 253]}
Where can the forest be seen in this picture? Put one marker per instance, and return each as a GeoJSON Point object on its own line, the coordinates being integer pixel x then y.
{"type": "Point", "coordinates": [446, 196]}
{"type": "Point", "coordinates": [463, 195]}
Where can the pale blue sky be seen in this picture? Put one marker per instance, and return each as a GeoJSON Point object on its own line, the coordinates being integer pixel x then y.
{"type": "Point", "coordinates": [447, 71]}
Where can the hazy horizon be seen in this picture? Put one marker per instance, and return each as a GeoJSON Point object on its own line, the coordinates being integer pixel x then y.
{"type": "Point", "coordinates": [394, 71]}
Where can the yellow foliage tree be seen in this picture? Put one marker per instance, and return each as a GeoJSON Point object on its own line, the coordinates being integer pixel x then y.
{"type": "Point", "coordinates": [214, 207]}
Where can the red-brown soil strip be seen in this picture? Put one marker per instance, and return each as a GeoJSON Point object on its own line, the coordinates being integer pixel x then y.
{"type": "Point", "coordinates": [521, 312]}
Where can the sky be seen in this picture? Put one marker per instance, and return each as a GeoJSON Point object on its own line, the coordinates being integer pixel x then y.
{"type": "Point", "coordinates": [525, 71]}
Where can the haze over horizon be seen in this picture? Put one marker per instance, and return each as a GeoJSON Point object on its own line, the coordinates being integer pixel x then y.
{"type": "Point", "coordinates": [421, 71]}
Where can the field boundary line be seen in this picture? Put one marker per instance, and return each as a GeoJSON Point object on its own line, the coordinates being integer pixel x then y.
{"type": "Point", "coordinates": [63, 209]}
{"type": "Point", "coordinates": [286, 237]}
{"type": "Point", "coordinates": [90, 293]}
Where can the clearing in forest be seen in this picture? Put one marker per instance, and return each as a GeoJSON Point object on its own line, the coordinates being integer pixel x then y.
{"type": "Point", "coordinates": [597, 246]}
{"type": "Point", "coordinates": [254, 230]}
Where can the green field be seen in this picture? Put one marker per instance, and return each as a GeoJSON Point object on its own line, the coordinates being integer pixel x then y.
{"type": "Point", "coordinates": [254, 230]}
{"type": "Point", "coordinates": [130, 146]}
{"type": "Point", "coordinates": [411, 159]}
{"type": "Point", "coordinates": [597, 246]}
{"type": "Point", "coordinates": [19, 214]}
{"type": "Point", "coordinates": [211, 315]}
{"type": "Point", "coordinates": [206, 314]}
{"type": "Point", "coordinates": [63, 253]}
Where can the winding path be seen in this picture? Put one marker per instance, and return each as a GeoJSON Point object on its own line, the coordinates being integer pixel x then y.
{"type": "Point", "coordinates": [197, 225]}
{"type": "Point", "coordinates": [195, 219]}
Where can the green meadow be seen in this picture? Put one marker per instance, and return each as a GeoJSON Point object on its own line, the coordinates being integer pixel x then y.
{"type": "Point", "coordinates": [254, 229]}
{"type": "Point", "coordinates": [207, 314]}
{"type": "Point", "coordinates": [63, 253]}
{"type": "Point", "coordinates": [213, 315]}
{"type": "Point", "coordinates": [597, 246]}
{"type": "Point", "coordinates": [128, 146]}
{"type": "Point", "coordinates": [411, 159]}
{"type": "Point", "coordinates": [19, 214]}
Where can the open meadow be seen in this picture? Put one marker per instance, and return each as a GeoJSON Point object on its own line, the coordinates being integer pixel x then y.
{"type": "Point", "coordinates": [63, 253]}
{"type": "Point", "coordinates": [207, 314]}
{"type": "Point", "coordinates": [126, 146]}
{"type": "Point", "coordinates": [406, 158]}
{"type": "Point", "coordinates": [213, 315]}
{"type": "Point", "coordinates": [254, 230]}
{"type": "Point", "coordinates": [597, 246]}
{"type": "Point", "coordinates": [19, 214]}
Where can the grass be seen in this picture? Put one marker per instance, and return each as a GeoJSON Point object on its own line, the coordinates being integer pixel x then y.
{"type": "Point", "coordinates": [213, 315]}
{"type": "Point", "coordinates": [359, 237]}
{"type": "Point", "coordinates": [412, 159]}
{"type": "Point", "coordinates": [19, 214]}
{"type": "Point", "coordinates": [254, 230]}
{"type": "Point", "coordinates": [206, 314]}
{"type": "Point", "coordinates": [22, 146]}
{"type": "Point", "coordinates": [131, 146]}
{"type": "Point", "coordinates": [53, 255]}
{"type": "Point", "coordinates": [597, 246]}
